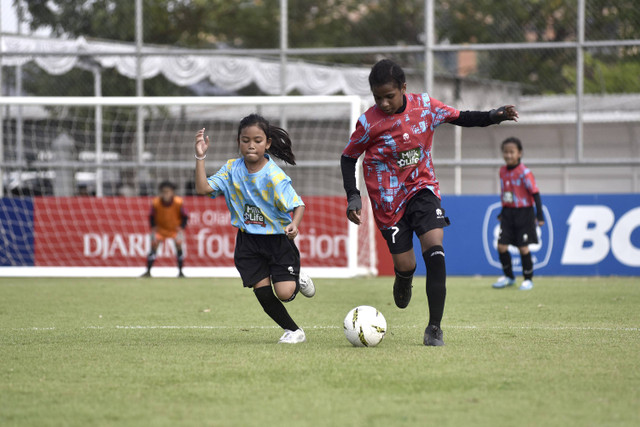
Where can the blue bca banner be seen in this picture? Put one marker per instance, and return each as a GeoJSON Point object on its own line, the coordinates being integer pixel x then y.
{"type": "Point", "coordinates": [582, 235]}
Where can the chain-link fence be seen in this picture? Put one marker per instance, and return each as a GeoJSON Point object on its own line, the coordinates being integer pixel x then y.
{"type": "Point", "coordinates": [571, 66]}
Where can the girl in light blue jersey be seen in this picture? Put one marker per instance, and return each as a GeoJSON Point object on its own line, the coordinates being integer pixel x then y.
{"type": "Point", "coordinates": [267, 212]}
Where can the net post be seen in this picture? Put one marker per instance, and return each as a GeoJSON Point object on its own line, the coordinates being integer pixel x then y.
{"type": "Point", "coordinates": [353, 228]}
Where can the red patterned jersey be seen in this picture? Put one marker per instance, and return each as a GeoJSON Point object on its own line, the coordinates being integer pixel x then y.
{"type": "Point", "coordinates": [518, 187]}
{"type": "Point", "coordinates": [397, 153]}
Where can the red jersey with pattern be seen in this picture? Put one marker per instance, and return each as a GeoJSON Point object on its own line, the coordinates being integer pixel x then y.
{"type": "Point", "coordinates": [518, 187]}
{"type": "Point", "coordinates": [397, 153]}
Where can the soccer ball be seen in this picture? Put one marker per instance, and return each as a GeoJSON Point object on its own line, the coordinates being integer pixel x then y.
{"type": "Point", "coordinates": [365, 326]}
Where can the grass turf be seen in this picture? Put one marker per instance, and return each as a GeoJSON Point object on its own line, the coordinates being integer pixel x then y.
{"type": "Point", "coordinates": [165, 352]}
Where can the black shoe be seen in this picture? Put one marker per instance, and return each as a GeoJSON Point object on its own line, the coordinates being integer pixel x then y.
{"type": "Point", "coordinates": [146, 274]}
{"type": "Point", "coordinates": [181, 274]}
{"type": "Point", "coordinates": [402, 291]}
{"type": "Point", "coordinates": [433, 336]}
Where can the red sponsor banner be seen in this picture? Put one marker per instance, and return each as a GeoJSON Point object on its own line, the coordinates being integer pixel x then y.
{"type": "Point", "coordinates": [114, 231]}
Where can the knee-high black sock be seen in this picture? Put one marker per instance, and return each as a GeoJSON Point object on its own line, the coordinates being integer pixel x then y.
{"type": "Point", "coordinates": [274, 308]}
{"type": "Point", "coordinates": [180, 259]}
{"type": "Point", "coordinates": [527, 266]}
{"type": "Point", "coordinates": [436, 283]}
{"type": "Point", "coordinates": [150, 259]}
{"type": "Point", "coordinates": [505, 260]}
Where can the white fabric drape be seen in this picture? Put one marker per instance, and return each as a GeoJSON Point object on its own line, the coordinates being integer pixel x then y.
{"type": "Point", "coordinates": [228, 72]}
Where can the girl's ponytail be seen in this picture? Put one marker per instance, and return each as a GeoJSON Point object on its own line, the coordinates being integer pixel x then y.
{"type": "Point", "coordinates": [281, 145]}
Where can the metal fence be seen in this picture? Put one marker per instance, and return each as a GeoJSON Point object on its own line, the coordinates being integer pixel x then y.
{"type": "Point", "coordinates": [571, 66]}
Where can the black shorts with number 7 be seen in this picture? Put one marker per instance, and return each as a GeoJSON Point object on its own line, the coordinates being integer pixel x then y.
{"type": "Point", "coordinates": [423, 213]}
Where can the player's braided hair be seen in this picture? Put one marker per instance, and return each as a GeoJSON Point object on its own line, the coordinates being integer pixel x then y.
{"type": "Point", "coordinates": [280, 141]}
{"type": "Point", "coordinates": [386, 71]}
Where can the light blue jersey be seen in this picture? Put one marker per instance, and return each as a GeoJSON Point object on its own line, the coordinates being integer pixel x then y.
{"type": "Point", "coordinates": [259, 202]}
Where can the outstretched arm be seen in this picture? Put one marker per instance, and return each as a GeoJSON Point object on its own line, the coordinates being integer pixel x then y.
{"type": "Point", "coordinates": [486, 118]}
{"type": "Point", "coordinates": [202, 145]}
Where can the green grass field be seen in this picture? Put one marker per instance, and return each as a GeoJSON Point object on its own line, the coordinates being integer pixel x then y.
{"type": "Point", "coordinates": [201, 352]}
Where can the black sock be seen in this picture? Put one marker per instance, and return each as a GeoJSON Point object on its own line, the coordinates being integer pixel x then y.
{"type": "Point", "coordinates": [180, 259]}
{"type": "Point", "coordinates": [274, 308]}
{"type": "Point", "coordinates": [436, 283]}
{"type": "Point", "coordinates": [527, 266]}
{"type": "Point", "coordinates": [505, 260]}
{"type": "Point", "coordinates": [150, 259]}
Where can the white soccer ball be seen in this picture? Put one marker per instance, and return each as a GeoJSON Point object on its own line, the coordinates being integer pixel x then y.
{"type": "Point", "coordinates": [365, 326]}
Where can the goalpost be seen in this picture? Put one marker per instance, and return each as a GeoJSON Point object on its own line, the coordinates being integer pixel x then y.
{"type": "Point", "coordinates": [78, 174]}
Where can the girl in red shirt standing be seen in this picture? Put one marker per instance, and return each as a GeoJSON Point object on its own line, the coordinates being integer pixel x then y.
{"type": "Point", "coordinates": [517, 219]}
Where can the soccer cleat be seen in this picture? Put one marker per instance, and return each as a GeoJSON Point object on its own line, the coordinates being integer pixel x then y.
{"type": "Point", "coordinates": [146, 274]}
{"type": "Point", "coordinates": [307, 288]}
{"type": "Point", "coordinates": [527, 285]}
{"type": "Point", "coordinates": [503, 282]}
{"type": "Point", "coordinates": [292, 337]}
{"type": "Point", "coordinates": [181, 274]}
{"type": "Point", "coordinates": [402, 291]}
{"type": "Point", "coordinates": [433, 336]}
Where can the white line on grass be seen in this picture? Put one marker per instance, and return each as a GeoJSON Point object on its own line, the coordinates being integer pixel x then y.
{"type": "Point", "coordinates": [542, 328]}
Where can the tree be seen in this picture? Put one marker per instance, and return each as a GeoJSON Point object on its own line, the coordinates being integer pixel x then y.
{"type": "Point", "coordinates": [339, 23]}
{"type": "Point", "coordinates": [488, 21]}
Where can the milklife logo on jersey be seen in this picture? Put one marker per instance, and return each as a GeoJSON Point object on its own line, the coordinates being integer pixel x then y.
{"type": "Point", "coordinates": [253, 215]}
{"type": "Point", "coordinates": [409, 158]}
{"type": "Point", "coordinates": [540, 252]}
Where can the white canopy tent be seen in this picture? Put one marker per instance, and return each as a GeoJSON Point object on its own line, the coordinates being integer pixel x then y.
{"type": "Point", "coordinates": [225, 71]}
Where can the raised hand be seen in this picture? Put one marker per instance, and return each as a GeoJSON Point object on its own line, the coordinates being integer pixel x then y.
{"type": "Point", "coordinates": [202, 143]}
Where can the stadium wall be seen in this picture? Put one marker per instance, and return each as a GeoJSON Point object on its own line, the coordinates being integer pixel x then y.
{"type": "Point", "coordinates": [584, 235]}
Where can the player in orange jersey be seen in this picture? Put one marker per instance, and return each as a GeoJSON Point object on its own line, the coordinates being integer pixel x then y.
{"type": "Point", "coordinates": [168, 218]}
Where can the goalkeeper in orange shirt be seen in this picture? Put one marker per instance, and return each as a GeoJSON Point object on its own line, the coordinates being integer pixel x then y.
{"type": "Point", "coordinates": [168, 219]}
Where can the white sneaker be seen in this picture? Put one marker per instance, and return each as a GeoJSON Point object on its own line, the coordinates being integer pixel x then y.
{"type": "Point", "coordinates": [526, 285]}
{"type": "Point", "coordinates": [307, 288]}
{"type": "Point", "coordinates": [292, 337]}
{"type": "Point", "coordinates": [503, 282]}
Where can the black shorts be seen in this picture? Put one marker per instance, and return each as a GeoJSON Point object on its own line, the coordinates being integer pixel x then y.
{"type": "Point", "coordinates": [518, 227]}
{"type": "Point", "coordinates": [423, 213]}
{"type": "Point", "coordinates": [258, 256]}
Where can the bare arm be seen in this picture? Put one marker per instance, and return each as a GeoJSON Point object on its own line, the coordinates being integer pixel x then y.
{"type": "Point", "coordinates": [291, 230]}
{"type": "Point", "coordinates": [202, 145]}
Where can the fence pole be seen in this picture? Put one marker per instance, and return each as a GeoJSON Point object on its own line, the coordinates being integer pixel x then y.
{"type": "Point", "coordinates": [139, 92]}
{"type": "Point", "coordinates": [1, 115]}
{"type": "Point", "coordinates": [580, 81]}
{"type": "Point", "coordinates": [429, 41]}
{"type": "Point", "coordinates": [97, 90]}
{"type": "Point", "coordinates": [284, 45]}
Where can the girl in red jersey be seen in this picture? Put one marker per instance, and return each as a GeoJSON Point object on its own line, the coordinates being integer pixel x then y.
{"type": "Point", "coordinates": [517, 219]}
{"type": "Point", "coordinates": [395, 136]}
